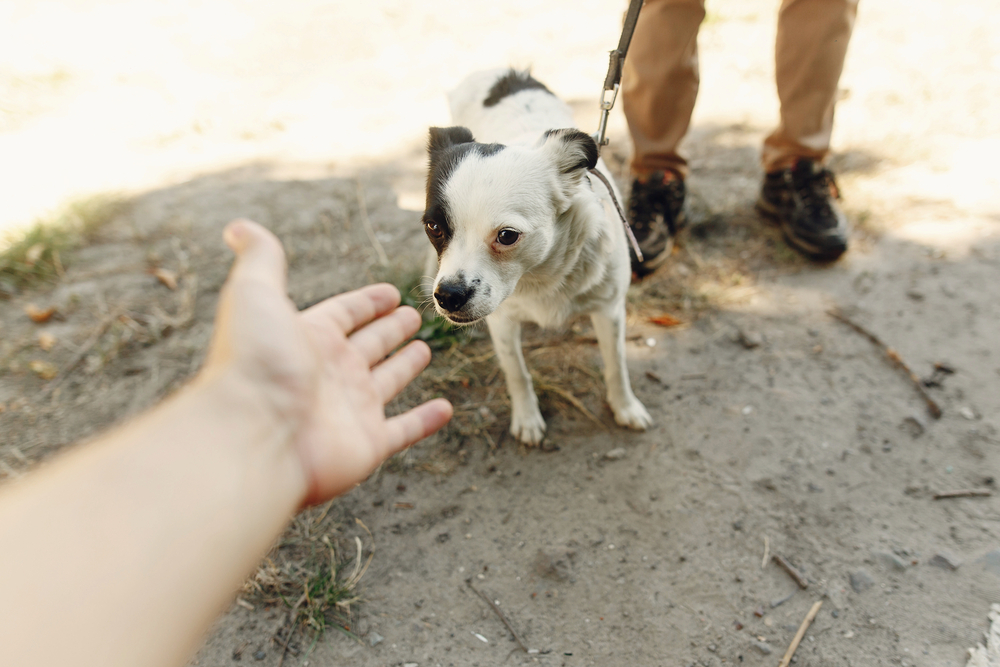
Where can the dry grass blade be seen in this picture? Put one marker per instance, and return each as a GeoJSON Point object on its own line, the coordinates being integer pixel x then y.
{"type": "Point", "coordinates": [572, 400]}
{"type": "Point", "coordinates": [84, 350]}
{"type": "Point", "coordinates": [500, 614]}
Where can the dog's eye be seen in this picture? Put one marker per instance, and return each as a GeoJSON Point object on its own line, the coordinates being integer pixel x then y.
{"type": "Point", "coordinates": [508, 237]}
{"type": "Point", "coordinates": [433, 228]}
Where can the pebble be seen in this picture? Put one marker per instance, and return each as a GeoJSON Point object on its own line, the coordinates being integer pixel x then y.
{"type": "Point", "coordinates": [259, 655]}
{"type": "Point", "coordinates": [945, 561]}
{"type": "Point", "coordinates": [374, 639]}
{"type": "Point", "coordinates": [991, 561]}
{"type": "Point", "coordinates": [762, 647]}
{"type": "Point", "coordinates": [890, 561]}
{"type": "Point", "coordinates": [616, 454]}
{"type": "Point", "coordinates": [861, 581]}
{"type": "Point", "coordinates": [750, 339]}
{"type": "Point", "coordinates": [968, 413]}
{"type": "Point", "coordinates": [777, 602]}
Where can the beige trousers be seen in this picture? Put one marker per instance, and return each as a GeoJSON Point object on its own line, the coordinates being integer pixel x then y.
{"type": "Point", "coordinates": [660, 81]}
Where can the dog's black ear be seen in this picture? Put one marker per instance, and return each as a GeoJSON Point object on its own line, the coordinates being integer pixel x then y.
{"type": "Point", "coordinates": [571, 149]}
{"type": "Point", "coordinates": [445, 137]}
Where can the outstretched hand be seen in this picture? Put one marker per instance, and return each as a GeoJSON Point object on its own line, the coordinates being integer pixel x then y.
{"type": "Point", "coordinates": [324, 372]}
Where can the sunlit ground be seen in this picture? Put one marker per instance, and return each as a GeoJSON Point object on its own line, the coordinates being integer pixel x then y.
{"type": "Point", "coordinates": [102, 97]}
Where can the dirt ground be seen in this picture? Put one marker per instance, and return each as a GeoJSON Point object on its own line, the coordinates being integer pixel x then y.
{"type": "Point", "coordinates": [778, 429]}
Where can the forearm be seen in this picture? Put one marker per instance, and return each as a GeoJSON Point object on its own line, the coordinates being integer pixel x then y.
{"type": "Point", "coordinates": [145, 533]}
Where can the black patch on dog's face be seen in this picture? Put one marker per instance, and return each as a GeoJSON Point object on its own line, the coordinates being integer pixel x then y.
{"type": "Point", "coordinates": [446, 149]}
{"type": "Point", "coordinates": [510, 83]}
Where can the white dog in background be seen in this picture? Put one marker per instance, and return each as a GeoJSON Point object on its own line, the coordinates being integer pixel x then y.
{"type": "Point", "coordinates": [524, 232]}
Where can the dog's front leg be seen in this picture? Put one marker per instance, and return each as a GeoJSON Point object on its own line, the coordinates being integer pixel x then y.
{"type": "Point", "coordinates": [526, 423]}
{"type": "Point", "coordinates": [610, 330]}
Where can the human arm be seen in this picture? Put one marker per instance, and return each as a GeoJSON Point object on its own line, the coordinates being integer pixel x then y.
{"type": "Point", "coordinates": [123, 550]}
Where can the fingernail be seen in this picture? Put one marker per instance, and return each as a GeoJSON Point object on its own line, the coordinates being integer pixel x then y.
{"type": "Point", "coordinates": [235, 235]}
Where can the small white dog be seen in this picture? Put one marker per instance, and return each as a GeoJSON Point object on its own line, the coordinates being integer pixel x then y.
{"type": "Point", "coordinates": [524, 232]}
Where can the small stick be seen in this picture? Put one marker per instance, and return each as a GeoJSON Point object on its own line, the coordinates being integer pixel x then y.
{"type": "Point", "coordinates": [572, 400]}
{"type": "Point", "coordinates": [801, 633]}
{"type": "Point", "coordinates": [893, 356]}
{"type": "Point", "coordinates": [792, 572]}
{"type": "Point", "coordinates": [694, 376]}
{"type": "Point", "coordinates": [767, 550]}
{"type": "Point", "coordinates": [499, 613]}
{"type": "Point", "coordinates": [964, 493]}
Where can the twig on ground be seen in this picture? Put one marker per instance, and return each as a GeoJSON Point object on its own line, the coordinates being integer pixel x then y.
{"type": "Point", "coordinates": [800, 634]}
{"type": "Point", "coordinates": [499, 613]}
{"type": "Point", "coordinates": [964, 493]}
{"type": "Point", "coordinates": [694, 376]}
{"type": "Point", "coordinates": [893, 356]}
{"type": "Point", "coordinates": [84, 350]}
{"type": "Point", "coordinates": [383, 259]}
{"type": "Point", "coordinates": [792, 572]}
{"type": "Point", "coordinates": [572, 400]}
{"type": "Point", "coordinates": [767, 550]}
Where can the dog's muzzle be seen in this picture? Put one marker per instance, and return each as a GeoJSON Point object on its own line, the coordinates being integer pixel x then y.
{"type": "Point", "coordinates": [452, 297]}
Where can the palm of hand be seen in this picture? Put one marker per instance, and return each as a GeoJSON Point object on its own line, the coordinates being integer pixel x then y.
{"type": "Point", "coordinates": [323, 371]}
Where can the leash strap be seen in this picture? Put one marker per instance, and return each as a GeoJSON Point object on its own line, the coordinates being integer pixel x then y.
{"type": "Point", "coordinates": [621, 214]}
{"type": "Point", "coordinates": [614, 76]}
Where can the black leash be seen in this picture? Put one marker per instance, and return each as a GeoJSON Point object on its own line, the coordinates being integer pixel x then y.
{"type": "Point", "coordinates": [615, 63]}
{"type": "Point", "coordinates": [611, 84]}
{"type": "Point", "coordinates": [621, 214]}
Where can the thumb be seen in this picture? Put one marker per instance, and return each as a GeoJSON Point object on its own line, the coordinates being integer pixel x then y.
{"type": "Point", "coordinates": [259, 255]}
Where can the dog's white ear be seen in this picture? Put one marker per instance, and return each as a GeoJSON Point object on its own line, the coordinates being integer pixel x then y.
{"type": "Point", "coordinates": [571, 150]}
{"type": "Point", "coordinates": [572, 153]}
{"type": "Point", "coordinates": [446, 137]}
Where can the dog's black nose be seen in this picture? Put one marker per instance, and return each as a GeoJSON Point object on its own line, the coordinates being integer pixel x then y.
{"type": "Point", "coordinates": [453, 296]}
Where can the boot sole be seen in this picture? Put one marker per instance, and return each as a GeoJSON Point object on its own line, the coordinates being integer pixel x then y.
{"type": "Point", "coordinates": [812, 251]}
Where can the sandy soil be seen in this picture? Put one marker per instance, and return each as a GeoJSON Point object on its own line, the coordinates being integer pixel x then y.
{"type": "Point", "coordinates": [775, 423]}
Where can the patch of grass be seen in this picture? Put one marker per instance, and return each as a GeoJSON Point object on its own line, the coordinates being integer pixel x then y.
{"type": "Point", "coordinates": [37, 254]}
{"type": "Point", "coordinates": [436, 331]}
{"type": "Point", "coordinates": [312, 579]}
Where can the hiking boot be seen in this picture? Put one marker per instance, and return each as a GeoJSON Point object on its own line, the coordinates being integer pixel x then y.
{"type": "Point", "coordinates": [655, 215]}
{"type": "Point", "coordinates": [803, 202]}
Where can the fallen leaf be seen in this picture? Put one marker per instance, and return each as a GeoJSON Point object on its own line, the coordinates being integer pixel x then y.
{"type": "Point", "coordinates": [44, 369]}
{"type": "Point", "coordinates": [167, 277]}
{"type": "Point", "coordinates": [46, 341]}
{"type": "Point", "coordinates": [39, 315]}
{"type": "Point", "coordinates": [665, 320]}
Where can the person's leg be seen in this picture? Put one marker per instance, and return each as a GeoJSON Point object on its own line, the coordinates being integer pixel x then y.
{"type": "Point", "coordinates": [799, 193]}
{"type": "Point", "coordinates": [809, 57]}
{"type": "Point", "coordinates": [660, 83]}
{"type": "Point", "coordinates": [659, 87]}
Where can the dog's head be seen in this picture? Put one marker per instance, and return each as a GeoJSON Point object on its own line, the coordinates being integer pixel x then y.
{"type": "Point", "coordinates": [492, 210]}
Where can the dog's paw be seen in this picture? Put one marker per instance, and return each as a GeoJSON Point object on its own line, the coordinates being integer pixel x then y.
{"type": "Point", "coordinates": [633, 415]}
{"type": "Point", "coordinates": [528, 428]}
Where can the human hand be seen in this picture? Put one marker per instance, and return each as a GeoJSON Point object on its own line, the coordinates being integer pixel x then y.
{"type": "Point", "coordinates": [322, 373]}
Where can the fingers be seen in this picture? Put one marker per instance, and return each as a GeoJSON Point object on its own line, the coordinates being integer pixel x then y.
{"type": "Point", "coordinates": [259, 254]}
{"type": "Point", "coordinates": [405, 429]}
{"type": "Point", "coordinates": [351, 310]}
{"type": "Point", "coordinates": [377, 339]}
{"type": "Point", "coordinates": [399, 370]}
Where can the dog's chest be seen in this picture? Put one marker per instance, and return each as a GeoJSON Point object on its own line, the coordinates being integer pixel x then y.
{"type": "Point", "coordinates": [546, 310]}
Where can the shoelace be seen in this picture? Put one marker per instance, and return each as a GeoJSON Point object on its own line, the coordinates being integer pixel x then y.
{"type": "Point", "coordinates": [813, 191]}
